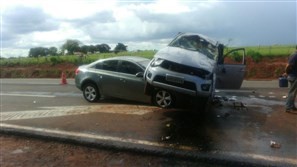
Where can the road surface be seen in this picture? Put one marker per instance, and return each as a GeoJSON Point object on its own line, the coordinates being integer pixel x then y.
{"type": "Point", "coordinates": [239, 128]}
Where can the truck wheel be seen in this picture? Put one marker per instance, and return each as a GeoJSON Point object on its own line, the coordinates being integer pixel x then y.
{"type": "Point", "coordinates": [162, 98]}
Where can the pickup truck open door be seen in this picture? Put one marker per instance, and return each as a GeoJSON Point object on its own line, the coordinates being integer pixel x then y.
{"type": "Point", "coordinates": [230, 74]}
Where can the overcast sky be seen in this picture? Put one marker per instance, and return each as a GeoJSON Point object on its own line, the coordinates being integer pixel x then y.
{"type": "Point", "coordinates": [143, 24]}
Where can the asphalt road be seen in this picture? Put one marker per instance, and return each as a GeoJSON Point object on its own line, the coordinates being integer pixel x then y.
{"type": "Point", "coordinates": [241, 128]}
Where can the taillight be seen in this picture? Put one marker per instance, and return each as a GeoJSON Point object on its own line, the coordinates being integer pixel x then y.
{"type": "Point", "coordinates": [77, 71]}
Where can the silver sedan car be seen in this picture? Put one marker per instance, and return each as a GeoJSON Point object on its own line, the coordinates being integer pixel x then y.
{"type": "Point", "coordinates": [120, 77]}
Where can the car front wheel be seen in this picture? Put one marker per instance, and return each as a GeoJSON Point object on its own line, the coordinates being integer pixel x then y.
{"type": "Point", "coordinates": [163, 98]}
{"type": "Point", "coordinates": [90, 92]}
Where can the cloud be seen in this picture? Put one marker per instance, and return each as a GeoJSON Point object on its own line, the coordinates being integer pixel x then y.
{"type": "Point", "coordinates": [262, 23]}
{"type": "Point", "coordinates": [19, 21]}
{"type": "Point", "coordinates": [145, 25]}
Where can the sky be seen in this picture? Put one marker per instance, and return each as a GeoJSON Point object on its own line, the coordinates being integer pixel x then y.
{"type": "Point", "coordinates": [142, 25]}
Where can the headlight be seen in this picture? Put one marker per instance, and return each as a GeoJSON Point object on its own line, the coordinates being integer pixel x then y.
{"type": "Point", "coordinates": [205, 87]}
{"type": "Point", "coordinates": [157, 62]}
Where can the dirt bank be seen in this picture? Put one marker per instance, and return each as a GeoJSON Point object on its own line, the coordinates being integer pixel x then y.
{"type": "Point", "coordinates": [267, 68]}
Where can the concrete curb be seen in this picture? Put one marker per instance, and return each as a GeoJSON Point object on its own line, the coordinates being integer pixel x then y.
{"type": "Point", "coordinates": [147, 147]}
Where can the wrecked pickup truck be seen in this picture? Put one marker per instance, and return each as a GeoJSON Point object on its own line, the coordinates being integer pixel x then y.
{"type": "Point", "coordinates": [192, 65]}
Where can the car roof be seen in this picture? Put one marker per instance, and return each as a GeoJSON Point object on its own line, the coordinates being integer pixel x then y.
{"type": "Point", "coordinates": [200, 35]}
{"type": "Point", "coordinates": [129, 58]}
{"type": "Point", "coordinates": [136, 59]}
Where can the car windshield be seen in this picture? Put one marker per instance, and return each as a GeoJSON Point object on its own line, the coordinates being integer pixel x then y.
{"type": "Point", "coordinates": [144, 63]}
{"type": "Point", "coordinates": [196, 43]}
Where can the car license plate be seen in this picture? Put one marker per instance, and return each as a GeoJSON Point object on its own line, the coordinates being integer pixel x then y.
{"type": "Point", "coordinates": [174, 79]}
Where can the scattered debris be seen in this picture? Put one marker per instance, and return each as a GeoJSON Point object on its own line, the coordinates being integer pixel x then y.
{"type": "Point", "coordinates": [223, 116]}
{"type": "Point", "coordinates": [239, 105]}
{"type": "Point", "coordinates": [225, 98]}
{"type": "Point", "coordinates": [226, 115]}
{"type": "Point", "coordinates": [232, 99]}
{"type": "Point", "coordinates": [164, 138]}
{"type": "Point", "coordinates": [17, 151]}
{"type": "Point", "coordinates": [217, 101]}
{"type": "Point", "coordinates": [274, 144]}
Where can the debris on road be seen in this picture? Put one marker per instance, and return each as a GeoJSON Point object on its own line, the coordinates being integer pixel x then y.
{"type": "Point", "coordinates": [274, 144]}
{"type": "Point", "coordinates": [223, 116]}
{"type": "Point", "coordinates": [165, 138]}
{"type": "Point", "coordinates": [239, 105]}
{"type": "Point", "coordinates": [233, 98]}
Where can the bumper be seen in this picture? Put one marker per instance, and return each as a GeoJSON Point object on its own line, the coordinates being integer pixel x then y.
{"type": "Point", "coordinates": [192, 85]}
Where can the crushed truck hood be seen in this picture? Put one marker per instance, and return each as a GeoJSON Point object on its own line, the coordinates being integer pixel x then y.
{"type": "Point", "coordinates": [186, 57]}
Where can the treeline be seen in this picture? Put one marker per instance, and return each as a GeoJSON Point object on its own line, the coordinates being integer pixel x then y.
{"type": "Point", "coordinates": [70, 47]}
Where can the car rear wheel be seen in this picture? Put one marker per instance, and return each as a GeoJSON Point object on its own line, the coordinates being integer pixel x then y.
{"type": "Point", "coordinates": [91, 92]}
{"type": "Point", "coordinates": [163, 98]}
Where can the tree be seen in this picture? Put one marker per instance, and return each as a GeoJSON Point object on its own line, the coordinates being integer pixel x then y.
{"type": "Point", "coordinates": [53, 51]}
{"type": "Point", "coordinates": [38, 51]}
{"type": "Point", "coordinates": [84, 49]}
{"type": "Point", "coordinates": [71, 45]}
{"type": "Point", "coordinates": [92, 49]}
{"type": "Point", "coordinates": [120, 48]}
{"type": "Point", "coordinates": [102, 48]}
{"type": "Point", "coordinates": [33, 52]}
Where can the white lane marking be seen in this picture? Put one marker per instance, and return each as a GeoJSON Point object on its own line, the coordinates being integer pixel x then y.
{"type": "Point", "coordinates": [45, 112]}
{"type": "Point", "coordinates": [26, 95]}
{"type": "Point", "coordinates": [77, 136]}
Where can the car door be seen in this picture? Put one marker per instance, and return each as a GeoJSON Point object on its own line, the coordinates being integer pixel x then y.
{"type": "Point", "coordinates": [230, 70]}
{"type": "Point", "coordinates": [107, 78]}
{"type": "Point", "coordinates": [132, 82]}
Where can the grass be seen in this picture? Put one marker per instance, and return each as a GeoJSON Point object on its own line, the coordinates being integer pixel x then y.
{"type": "Point", "coordinates": [271, 51]}
{"type": "Point", "coordinates": [28, 61]}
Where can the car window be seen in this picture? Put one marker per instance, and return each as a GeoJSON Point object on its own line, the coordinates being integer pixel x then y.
{"type": "Point", "coordinates": [110, 65]}
{"type": "Point", "coordinates": [144, 63]}
{"type": "Point", "coordinates": [129, 68]}
{"type": "Point", "coordinates": [195, 43]}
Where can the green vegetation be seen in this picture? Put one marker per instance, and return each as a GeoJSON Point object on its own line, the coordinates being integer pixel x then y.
{"type": "Point", "coordinates": [256, 52]}
{"type": "Point", "coordinates": [236, 56]}
{"type": "Point", "coordinates": [52, 66]}
{"type": "Point", "coordinates": [256, 56]}
{"type": "Point", "coordinates": [276, 50]}
{"type": "Point", "coordinates": [270, 51]}
{"type": "Point", "coordinates": [73, 59]}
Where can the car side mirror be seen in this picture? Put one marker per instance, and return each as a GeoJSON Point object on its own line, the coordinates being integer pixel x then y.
{"type": "Point", "coordinates": [139, 75]}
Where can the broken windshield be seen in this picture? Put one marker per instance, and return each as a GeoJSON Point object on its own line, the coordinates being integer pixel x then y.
{"type": "Point", "coordinates": [196, 43]}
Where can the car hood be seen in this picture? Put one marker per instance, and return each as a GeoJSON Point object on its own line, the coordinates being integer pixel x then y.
{"type": "Point", "coordinates": [186, 57]}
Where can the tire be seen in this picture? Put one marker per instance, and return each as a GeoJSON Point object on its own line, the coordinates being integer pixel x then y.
{"type": "Point", "coordinates": [90, 92]}
{"type": "Point", "coordinates": [162, 98]}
